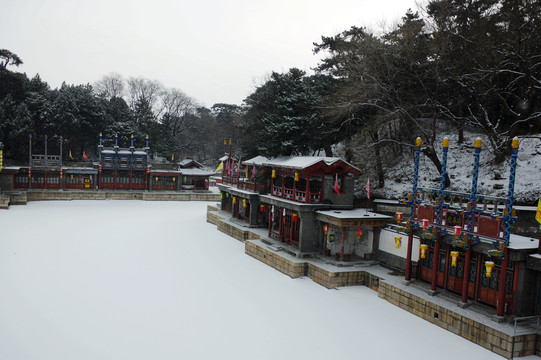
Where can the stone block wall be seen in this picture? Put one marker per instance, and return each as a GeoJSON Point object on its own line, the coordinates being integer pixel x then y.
{"type": "Point", "coordinates": [212, 217]}
{"type": "Point", "coordinates": [332, 280]}
{"type": "Point", "coordinates": [235, 232]}
{"type": "Point", "coordinates": [478, 333]}
{"type": "Point", "coordinates": [294, 269]}
{"type": "Point", "coordinates": [18, 198]}
{"type": "Point", "coordinates": [114, 195]}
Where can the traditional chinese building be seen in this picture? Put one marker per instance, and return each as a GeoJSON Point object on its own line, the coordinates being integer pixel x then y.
{"type": "Point", "coordinates": [295, 198]}
{"type": "Point", "coordinates": [123, 168]}
{"type": "Point", "coordinates": [462, 243]}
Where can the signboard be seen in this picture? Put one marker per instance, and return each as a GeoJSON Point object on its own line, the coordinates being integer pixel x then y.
{"type": "Point", "coordinates": [425, 213]}
{"type": "Point", "coordinates": [453, 219]}
{"type": "Point", "coordinates": [488, 226]}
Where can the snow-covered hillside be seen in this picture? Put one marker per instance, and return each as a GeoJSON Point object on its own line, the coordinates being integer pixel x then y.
{"type": "Point", "coordinates": [493, 179]}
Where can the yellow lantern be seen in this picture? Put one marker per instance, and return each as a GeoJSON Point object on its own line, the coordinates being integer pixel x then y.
{"type": "Point", "coordinates": [243, 202]}
{"type": "Point", "coordinates": [454, 256]}
{"type": "Point", "coordinates": [273, 173]}
{"type": "Point", "coordinates": [156, 179]}
{"type": "Point", "coordinates": [424, 250]}
{"type": "Point", "coordinates": [489, 265]}
{"type": "Point", "coordinates": [234, 200]}
{"type": "Point", "coordinates": [397, 241]}
{"type": "Point", "coordinates": [296, 176]}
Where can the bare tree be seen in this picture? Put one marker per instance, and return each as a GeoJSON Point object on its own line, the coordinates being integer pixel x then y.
{"type": "Point", "coordinates": [144, 90]}
{"type": "Point", "coordinates": [110, 86]}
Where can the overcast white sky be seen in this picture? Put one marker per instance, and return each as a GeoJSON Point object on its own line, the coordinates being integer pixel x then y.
{"type": "Point", "coordinates": [215, 51]}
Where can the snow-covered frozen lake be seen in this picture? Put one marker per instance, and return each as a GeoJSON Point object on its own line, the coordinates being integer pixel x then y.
{"type": "Point", "coordinates": [153, 280]}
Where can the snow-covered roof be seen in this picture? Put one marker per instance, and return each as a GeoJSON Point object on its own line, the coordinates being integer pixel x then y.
{"type": "Point", "coordinates": [257, 161]}
{"type": "Point", "coordinates": [305, 162]}
{"type": "Point", "coordinates": [165, 171]}
{"type": "Point", "coordinates": [187, 162]}
{"type": "Point", "coordinates": [79, 170]}
{"type": "Point", "coordinates": [519, 242]}
{"type": "Point", "coordinates": [196, 172]}
{"type": "Point", "coordinates": [123, 151]}
{"type": "Point", "coordinates": [224, 158]}
{"type": "Point", "coordinates": [354, 214]}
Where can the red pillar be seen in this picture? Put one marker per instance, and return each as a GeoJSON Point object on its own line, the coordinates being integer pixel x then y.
{"type": "Point", "coordinates": [503, 278]}
{"type": "Point", "coordinates": [435, 263]}
{"type": "Point", "coordinates": [408, 255]}
{"type": "Point", "coordinates": [466, 274]}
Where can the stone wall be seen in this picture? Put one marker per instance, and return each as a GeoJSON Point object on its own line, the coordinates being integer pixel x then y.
{"type": "Point", "coordinates": [295, 268]}
{"type": "Point", "coordinates": [235, 232]}
{"type": "Point", "coordinates": [478, 333]}
{"type": "Point", "coordinates": [333, 280]}
{"type": "Point", "coordinates": [291, 267]}
{"type": "Point", "coordinates": [18, 198]}
{"type": "Point", "coordinates": [114, 195]}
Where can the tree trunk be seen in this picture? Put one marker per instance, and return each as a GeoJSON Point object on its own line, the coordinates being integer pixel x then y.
{"type": "Point", "coordinates": [379, 166]}
{"type": "Point", "coordinates": [430, 153]}
{"type": "Point", "coordinates": [328, 150]}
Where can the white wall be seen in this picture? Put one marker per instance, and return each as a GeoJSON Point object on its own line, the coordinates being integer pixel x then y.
{"type": "Point", "coordinates": [387, 243]}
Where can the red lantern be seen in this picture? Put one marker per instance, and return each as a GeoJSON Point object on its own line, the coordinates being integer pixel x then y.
{"type": "Point", "coordinates": [359, 233]}
{"type": "Point", "coordinates": [294, 218]}
{"type": "Point", "coordinates": [399, 216]}
{"type": "Point", "coordinates": [326, 229]}
{"type": "Point", "coordinates": [457, 230]}
{"type": "Point", "coordinates": [262, 208]}
{"type": "Point", "coordinates": [99, 169]}
{"type": "Point", "coordinates": [424, 222]}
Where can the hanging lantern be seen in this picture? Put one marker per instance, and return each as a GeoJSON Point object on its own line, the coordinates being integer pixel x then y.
{"type": "Point", "coordinates": [424, 223]}
{"type": "Point", "coordinates": [234, 200]}
{"type": "Point", "coordinates": [359, 233]}
{"type": "Point", "coordinates": [221, 195]}
{"type": "Point", "coordinates": [399, 216]}
{"type": "Point", "coordinates": [296, 176]}
{"type": "Point", "coordinates": [156, 179]}
{"type": "Point", "coordinates": [99, 169]}
{"type": "Point", "coordinates": [273, 173]}
{"type": "Point", "coordinates": [457, 230]}
{"type": "Point", "coordinates": [243, 202]}
{"type": "Point", "coordinates": [326, 229]}
{"type": "Point", "coordinates": [489, 265]}
{"type": "Point", "coordinates": [294, 217]}
{"type": "Point", "coordinates": [397, 241]}
{"type": "Point", "coordinates": [424, 250]}
{"type": "Point", "coordinates": [174, 179]}
{"type": "Point", "coordinates": [454, 256]}
{"type": "Point", "coordinates": [148, 169]}
{"type": "Point", "coordinates": [262, 208]}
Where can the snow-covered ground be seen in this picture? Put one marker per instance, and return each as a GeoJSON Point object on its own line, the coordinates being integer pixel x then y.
{"type": "Point", "coordinates": [152, 280]}
{"type": "Point", "coordinates": [493, 178]}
